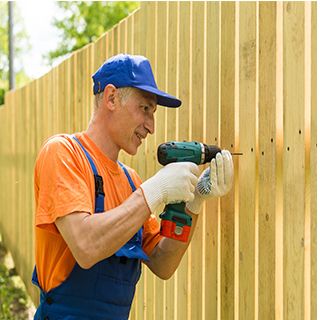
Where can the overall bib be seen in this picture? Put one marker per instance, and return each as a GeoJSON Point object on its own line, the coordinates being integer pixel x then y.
{"type": "Point", "coordinates": [106, 290]}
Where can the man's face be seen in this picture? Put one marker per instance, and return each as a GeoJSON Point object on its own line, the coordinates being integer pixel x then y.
{"type": "Point", "coordinates": [135, 119]}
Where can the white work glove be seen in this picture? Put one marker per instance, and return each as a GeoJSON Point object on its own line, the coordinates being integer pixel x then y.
{"type": "Point", "coordinates": [173, 183]}
{"type": "Point", "coordinates": [215, 181]}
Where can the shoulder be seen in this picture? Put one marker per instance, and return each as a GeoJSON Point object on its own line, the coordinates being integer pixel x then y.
{"type": "Point", "coordinates": [60, 148]}
{"type": "Point", "coordinates": [59, 145]}
{"type": "Point", "coordinates": [58, 142]}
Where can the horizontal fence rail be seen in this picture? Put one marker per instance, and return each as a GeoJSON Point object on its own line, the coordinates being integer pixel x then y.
{"type": "Point", "coordinates": [246, 75]}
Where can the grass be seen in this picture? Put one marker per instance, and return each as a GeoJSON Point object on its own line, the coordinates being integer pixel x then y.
{"type": "Point", "coordinates": [14, 301]}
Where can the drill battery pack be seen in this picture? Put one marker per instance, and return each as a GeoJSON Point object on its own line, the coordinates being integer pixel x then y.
{"type": "Point", "coordinates": [175, 223]}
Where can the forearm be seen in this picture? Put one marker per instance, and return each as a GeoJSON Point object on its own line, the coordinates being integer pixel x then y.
{"type": "Point", "coordinates": [92, 238]}
{"type": "Point", "coordinates": [166, 256]}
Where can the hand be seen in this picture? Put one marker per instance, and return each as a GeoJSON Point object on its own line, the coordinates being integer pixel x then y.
{"type": "Point", "coordinates": [176, 182]}
{"type": "Point", "coordinates": [215, 181]}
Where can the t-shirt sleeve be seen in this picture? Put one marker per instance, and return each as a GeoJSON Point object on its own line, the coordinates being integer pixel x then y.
{"type": "Point", "coordinates": [61, 185]}
{"type": "Point", "coordinates": [151, 234]}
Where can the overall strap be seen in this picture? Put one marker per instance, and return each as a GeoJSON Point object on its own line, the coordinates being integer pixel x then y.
{"type": "Point", "coordinates": [132, 249]}
{"type": "Point", "coordinates": [98, 181]}
{"type": "Point", "coordinates": [132, 185]}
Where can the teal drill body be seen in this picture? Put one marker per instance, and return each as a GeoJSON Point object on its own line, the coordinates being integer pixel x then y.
{"type": "Point", "coordinates": [175, 223]}
{"type": "Point", "coordinates": [180, 152]}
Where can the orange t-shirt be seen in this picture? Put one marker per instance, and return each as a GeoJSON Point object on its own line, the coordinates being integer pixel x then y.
{"type": "Point", "coordinates": [63, 184]}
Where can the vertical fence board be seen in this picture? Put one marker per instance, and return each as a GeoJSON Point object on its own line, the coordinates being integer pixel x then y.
{"type": "Point", "coordinates": [227, 127]}
{"type": "Point", "coordinates": [99, 51]}
{"type": "Point", "coordinates": [72, 93]}
{"type": "Point", "coordinates": [294, 161]}
{"type": "Point", "coordinates": [17, 111]}
{"type": "Point", "coordinates": [23, 134]}
{"type": "Point", "coordinates": [131, 38]}
{"type": "Point", "coordinates": [171, 87]}
{"type": "Point", "coordinates": [247, 163]}
{"type": "Point", "coordinates": [116, 39]}
{"type": "Point", "coordinates": [160, 125]}
{"type": "Point", "coordinates": [313, 162]}
{"type": "Point", "coordinates": [132, 33]}
{"type": "Point", "coordinates": [172, 49]}
{"type": "Point", "coordinates": [47, 115]}
{"type": "Point", "coordinates": [32, 290]}
{"type": "Point", "coordinates": [89, 82]}
{"type": "Point", "coordinates": [138, 161]}
{"type": "Point", "coordinates": [135, 34]}
{"type": "Point", "coordinates": [11, 138]}
{"type": "Point", "coordinates": [197, 129]}
{"type": "Point", "coordinates": [130, 27]}
{"type": "Point", "coordinates": [183, 277]}
{"type": "Point", "coordinates": [79, 98]}
{"type": "Point", "coordinates": [110, 45]}
{"type": "Point", "coordinates": [211, 121]}
{"type": "Point", "coordinates": [307, 148]}
{"type": "Point", "coordinates": [67, 97]}
{"type": "Point", "coordinates": [60, 107]}
{"type": "Point", "coordinates": [267, 162]}
{"type": "Point", "coordinates": [124, 157]}
{"type": "Point", "coordinates": [149, 50]}
{"type": "Point", "coordinates": [55, 112]}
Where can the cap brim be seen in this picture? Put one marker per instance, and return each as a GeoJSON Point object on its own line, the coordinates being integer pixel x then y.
{"type": "Point", "coordinates": [163, 99]}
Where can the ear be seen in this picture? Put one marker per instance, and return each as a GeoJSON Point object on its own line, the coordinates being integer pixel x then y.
{"type": "Point", "coordinates": [109, 96]}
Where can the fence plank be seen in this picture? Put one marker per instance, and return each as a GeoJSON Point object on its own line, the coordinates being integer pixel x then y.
{"type": "Point", "coordinates": [307, 137]}
{"type": "Point", "coordinates": [149, 50]}
{"type": "Point", "coordinates": [139, 160]}
{"type": "Point", "coordinates": [247, 163]}
{"type": "Point", "coordinates": [197, 129]}
{"type": "Point", "coordinates": [33, 291]}
{"type": "Point", "coordinates": [171, 113]}
{"type": "Point", "coordinates": [293, 156]}
{"type": "Point", "coordinates": [227, 127]}
{"type": "Point", "coordinates": [160, 126]}
{"type": "Point", "coordinates": [123, 156]}
{"type": "Point", "coordinates": [313, 162]}
{"type": "Point", "coordinates": [267, 161]}
{"type": "Point", "coordinates": [183, 275]}
{"type": "Point", "coordinates": [211, 122]}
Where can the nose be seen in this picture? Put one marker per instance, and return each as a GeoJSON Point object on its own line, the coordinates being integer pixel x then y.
{"type": "Point", "coordinates": [149, 123]}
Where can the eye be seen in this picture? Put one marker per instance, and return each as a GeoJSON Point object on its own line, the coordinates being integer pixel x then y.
{"type": "Point", "coordinates": [145, 108]}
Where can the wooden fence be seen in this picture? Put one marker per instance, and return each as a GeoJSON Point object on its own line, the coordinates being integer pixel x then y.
{"type": "Point", "coordinates": [246, 73]}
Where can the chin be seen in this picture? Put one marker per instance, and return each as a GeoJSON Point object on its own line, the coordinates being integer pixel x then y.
{"type": "Point", "coordinates": [132, 151]}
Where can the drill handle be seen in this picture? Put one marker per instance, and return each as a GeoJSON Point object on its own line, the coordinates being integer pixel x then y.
{"type": "Point", "coordinates": [175, 223]}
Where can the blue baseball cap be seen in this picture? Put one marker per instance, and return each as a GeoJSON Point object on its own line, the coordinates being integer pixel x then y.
{"type": "Point", "coordinates": [125, 70]}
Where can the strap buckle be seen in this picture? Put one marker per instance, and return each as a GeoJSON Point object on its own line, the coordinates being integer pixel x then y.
{"type": "Point", "coordinates": [98, 181]}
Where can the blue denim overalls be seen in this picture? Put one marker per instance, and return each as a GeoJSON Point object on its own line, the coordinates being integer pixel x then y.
{"type": "Point", "coordinates": [106, 290]}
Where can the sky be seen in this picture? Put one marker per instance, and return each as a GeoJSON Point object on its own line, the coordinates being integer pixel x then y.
{"type": "Point", "coordinates": [43, 37]}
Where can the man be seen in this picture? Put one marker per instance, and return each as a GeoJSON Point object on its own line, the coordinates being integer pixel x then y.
{"type": "Point", "coordinates": [94, 221]}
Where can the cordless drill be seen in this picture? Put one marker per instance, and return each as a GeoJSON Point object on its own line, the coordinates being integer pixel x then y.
{"type": "Point", "coordinates": [175, 223]}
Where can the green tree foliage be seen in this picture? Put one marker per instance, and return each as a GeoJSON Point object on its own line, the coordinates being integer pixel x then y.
{"type": "Point", "coordinates": [82, 22]}
{"type": "Point", "coordinates": [21, 45]}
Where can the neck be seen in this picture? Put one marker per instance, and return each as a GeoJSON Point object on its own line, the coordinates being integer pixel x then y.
{"type": "Point", "coordinates": [103, 141]}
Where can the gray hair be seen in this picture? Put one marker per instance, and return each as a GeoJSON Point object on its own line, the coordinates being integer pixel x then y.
{"type": "Point", "coordinates": [124, 93]}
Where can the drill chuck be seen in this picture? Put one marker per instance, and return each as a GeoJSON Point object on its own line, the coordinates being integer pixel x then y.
{"type": "Point", "coordinates": [210, 152]}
